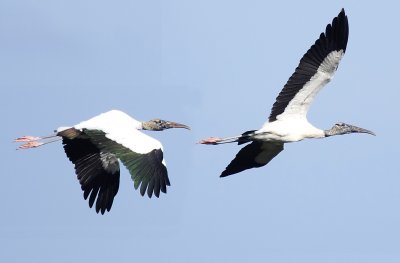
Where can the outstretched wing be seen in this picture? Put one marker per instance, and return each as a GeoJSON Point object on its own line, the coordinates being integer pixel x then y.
{"type": "Point", "coordinates": [314, 71]}
{"type": "Point", "coordinates": [255, 154]}
{"type": "Point", "coordinates": [97, 172]}
{"type": "Point", "coordinates": [147, 169]}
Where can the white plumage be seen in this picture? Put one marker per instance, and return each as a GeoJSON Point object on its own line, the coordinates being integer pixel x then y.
{"type": "Point", "coordinates": [288, 119]}
{"type": "Point", "coordinates": [300, 104]}
{"type": "Point", "coordinates": [95, 146]}
{"type": "Point", "coordinates": [123, 129]}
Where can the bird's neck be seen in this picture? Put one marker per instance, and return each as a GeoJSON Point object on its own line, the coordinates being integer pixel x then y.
{"type": "Point", "coordinates": [145, 125]}
{"type": "Point", "coordinates": [150, 126]}
{"type": "Point", "coordinates": [333, 132]}
{"type": "Point", "coordinates": [328, 133]}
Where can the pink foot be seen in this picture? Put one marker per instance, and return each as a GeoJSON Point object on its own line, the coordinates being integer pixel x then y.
{"type": "Point", "coordinates": [31, 144]}
{"type": "Point", "coordinates": [27, 139]}
{"type": "Point", "coordinates": [210, 140]}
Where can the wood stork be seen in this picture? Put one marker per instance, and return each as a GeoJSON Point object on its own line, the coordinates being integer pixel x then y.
{"type": "Point", "coordinates": [94, 147]}
{"type": "Point", "coordinates": [288, 119]}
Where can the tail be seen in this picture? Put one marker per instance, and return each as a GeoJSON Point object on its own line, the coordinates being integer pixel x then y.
{"type": "Point", "coordinates": [240, 139]}
{"type": "Point", "coordinates": [245, 137]}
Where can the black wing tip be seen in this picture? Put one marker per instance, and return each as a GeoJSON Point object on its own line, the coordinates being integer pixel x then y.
{"type": "Point", "coordinates": [150, 191]}
{"type": "Point", "coordinates": [103, 210]}
{"type": "Point", "coordinates": [226, 173]}
{"type": "Point", "coordinates": [152, 174]}
{"type": "Point", "coordinates": [339, 30]}
{"type": "Point", "coordinates": [101, 206]}
{"type": "Point", "coordinates": [233, 169]}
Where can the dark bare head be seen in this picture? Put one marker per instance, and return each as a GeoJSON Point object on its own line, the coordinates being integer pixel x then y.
{"type": "Point", "coordinates": [159, 125]}
{"type": "Point", "coordinates": [343, 128]}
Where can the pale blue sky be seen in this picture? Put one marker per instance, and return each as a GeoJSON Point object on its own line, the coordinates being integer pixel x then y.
{"type": "Point", "coordinates": [216, 66]}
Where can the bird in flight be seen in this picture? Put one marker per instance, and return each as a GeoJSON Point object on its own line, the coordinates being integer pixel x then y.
{"type": "Point", "coordinates": [94, 147]}
{"type": "Point", "coordinates": [287, 121]}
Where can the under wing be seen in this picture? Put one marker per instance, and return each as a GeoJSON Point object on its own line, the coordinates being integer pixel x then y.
{"type": "Point", "coordinates": [97, 183]}
{"type": "Point", "coordinates": [255, 154]}
{"type": "Point", "coordinates": [315, 70]}
{"type": "Point", "coordinates": [147, 169]}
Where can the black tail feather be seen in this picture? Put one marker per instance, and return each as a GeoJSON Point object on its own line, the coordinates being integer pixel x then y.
{"type": "Point", "coordinates": [245, 137]}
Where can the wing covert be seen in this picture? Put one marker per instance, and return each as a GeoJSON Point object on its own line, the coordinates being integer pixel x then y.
{"type": "Point", "coordinates": [147, 169]}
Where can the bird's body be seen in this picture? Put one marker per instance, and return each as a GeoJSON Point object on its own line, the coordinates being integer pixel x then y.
{"type": "Point", "coordinates": [278, 131]}
{"type": "Point", "coordinates": [287, 121]}
{"type": "Point", "coordinates": [94, 147]}
{"type": "Point", "coordinates": [121, 128]}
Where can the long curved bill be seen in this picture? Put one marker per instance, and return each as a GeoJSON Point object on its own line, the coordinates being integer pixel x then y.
{"type": "Point", "coordinates": [356, 129]}
{"type": "Point", "coordinates": [171, 124]}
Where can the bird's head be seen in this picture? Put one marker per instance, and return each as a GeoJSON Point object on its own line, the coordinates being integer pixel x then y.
{"type": "Point", "coordinates": [343, 128]}
{"type": "Point", "coordinates": [159, 125]}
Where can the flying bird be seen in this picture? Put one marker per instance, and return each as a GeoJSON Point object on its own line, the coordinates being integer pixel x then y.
{"type": "Point", "coordinates": [94, 147]}
{"type": "Point", "coordinates": [287, 121]}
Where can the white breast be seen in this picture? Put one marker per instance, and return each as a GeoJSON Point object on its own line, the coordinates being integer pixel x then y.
{"type": "Point", "coordinates": [292, 130]}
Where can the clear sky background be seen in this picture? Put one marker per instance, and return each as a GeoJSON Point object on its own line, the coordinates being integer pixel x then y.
{"type": "Point", "coordinates": [218, 67]}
